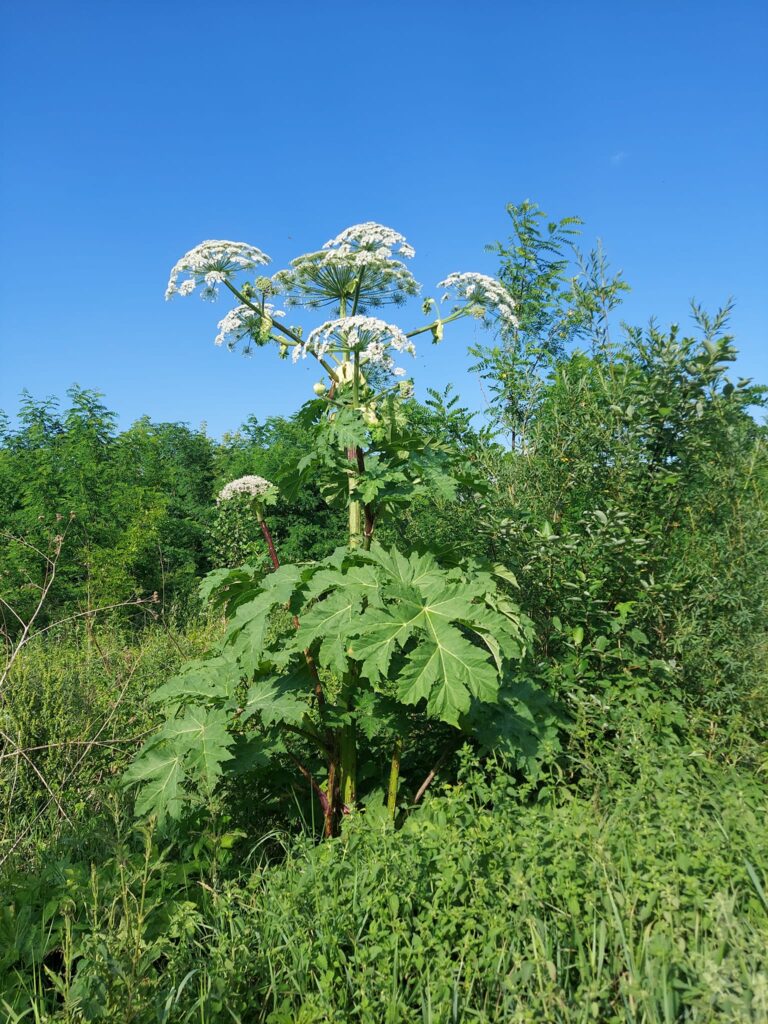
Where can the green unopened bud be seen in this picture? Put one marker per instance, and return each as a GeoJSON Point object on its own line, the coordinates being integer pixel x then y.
{"type": "Point", "coordinates": [437, 332]}
{"type": "Point", "coordinates": [283, 350]}
{"type": "Point", "coordinates": [320, 388]}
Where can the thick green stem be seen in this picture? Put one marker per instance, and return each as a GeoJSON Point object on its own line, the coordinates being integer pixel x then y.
{"type": "Point", "coordinates": [356, 381]}
{"type": "Point", "coordinates": [326, 744]}
{"type": "Point", "coordinates": [348, 734]}
{"type": "Point", "coordinates": [332, 790]}
{"type": "Point", "coordinates": [348, 765]}
{"type": "Point", "coordinates": [394, 778]}
{"type": "Point", "coordinates": [355, 519]}
{"type": "Point", "coordinates": [442, 320]}
{"type": "Point", "coordinates": [367, 510]}
{"type": "Point", "coordinates": [355, 511]}
{"type": "Point", "coordinates": [286, 331]}
{"type": "Point", "coordinates": [358, 288]}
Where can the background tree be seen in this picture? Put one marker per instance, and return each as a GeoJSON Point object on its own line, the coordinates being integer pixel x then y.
{"type": "Point", "coordinates": [559, 295]}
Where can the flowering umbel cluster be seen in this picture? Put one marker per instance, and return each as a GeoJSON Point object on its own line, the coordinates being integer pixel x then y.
{"type": "Point", "coordinates": [370, 237]}
{"type": "Point", "coordinates": [366, 335]}
{"type": "Point", "coordinates": [358, 270]}
{"type": "Point", "coordinates": [245, 322]}
{"type": "Point", "coordinates": [210, 264]}
{"type": "Point", "coordinates": [483, 295]}
{"type": "Point", "coordinates": [255, 486]}
{"type": "Point", "coordinates": [362, 267]}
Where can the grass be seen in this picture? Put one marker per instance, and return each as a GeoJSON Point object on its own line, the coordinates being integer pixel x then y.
{"type": "Point", "coordinates": [636, 900]}
{"type": "Point", "coordinates": [76, 706]}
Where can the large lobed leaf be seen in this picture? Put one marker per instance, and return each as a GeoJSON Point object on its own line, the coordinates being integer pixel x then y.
{"type": "Point", "coordinates": [401, 631]}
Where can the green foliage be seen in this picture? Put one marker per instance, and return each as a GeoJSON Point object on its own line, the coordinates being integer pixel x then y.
{"type": "Point", "coordinates": [553, 311]}
{"type": "Point", "coordinates": [301, 523]}
{"type": "Point", "coordinates": [546, 808]}
{"type": "Point", "coordinates": [636, 895]}
{"type": "Point", "coordinates": [533, 266]}
{"type": "Point", "coordinates": [377, 634]}
{"type": "Point", "coordinates": [133, 507]}
{"type": "Point", "coordinates": [74, 710]}
{"type": "Point", "coordinates": [137, 508]}
{"type": "Point", "coordinates": [405, 456]}
{"type": "Point", "coordinates": [641, 501]}
{"type": "Point", "coordinates": [370, 623]}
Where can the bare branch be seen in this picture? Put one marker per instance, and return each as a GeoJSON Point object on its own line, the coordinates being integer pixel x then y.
{"type": "Point", "coordinates": [430, 778]}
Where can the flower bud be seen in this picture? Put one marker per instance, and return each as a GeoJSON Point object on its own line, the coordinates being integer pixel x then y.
{"type": "Point", "coordinates": [320, 388]}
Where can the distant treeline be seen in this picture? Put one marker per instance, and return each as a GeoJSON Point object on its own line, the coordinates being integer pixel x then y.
{"type": "Point", "coordinates": [137, 508]}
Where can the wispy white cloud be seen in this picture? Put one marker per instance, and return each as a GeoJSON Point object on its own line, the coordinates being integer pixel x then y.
{"type": "Point", "coordinates": [618, 158]}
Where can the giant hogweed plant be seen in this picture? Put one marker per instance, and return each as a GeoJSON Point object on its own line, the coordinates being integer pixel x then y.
{"type": "Point", "coordinates": [339, 666]}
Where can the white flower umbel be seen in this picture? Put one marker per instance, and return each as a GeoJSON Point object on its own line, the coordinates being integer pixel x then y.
{"type": "Point", "coordinates": [210, 264]}
{"type": "Point", "coordinates": [255, 486]}
{"type": "Point", "coordinates": [486, 296]}
{"type": "Point", "coordinates": [356, 270]}
{"type": "Point", "coordinates": [371, 337]}
{"type": "Point", "coordinates": [244, 322]}
{"type": "Point", "coordinates": [371, 237]}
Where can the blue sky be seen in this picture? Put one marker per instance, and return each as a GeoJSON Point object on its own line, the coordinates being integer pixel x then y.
{"type": "Point", "coordinates": [131, 131]}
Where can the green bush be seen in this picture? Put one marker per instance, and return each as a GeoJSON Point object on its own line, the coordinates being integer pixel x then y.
{"type": "Point", "coordinates": [637, 896]}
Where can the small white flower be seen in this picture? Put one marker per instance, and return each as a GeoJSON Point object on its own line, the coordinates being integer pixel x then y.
{"type": "Point", "coordinates": [256, 486]}
{"type": "Point", "coordinates": [375, 352]}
